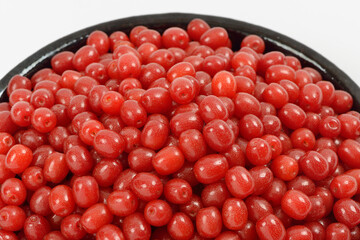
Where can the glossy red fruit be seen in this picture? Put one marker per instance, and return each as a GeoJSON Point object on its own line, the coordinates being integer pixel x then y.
{"type": "Point", "coordinates": [343, 186]}
{"type": "Point", "coordinates": [234, 214]}
{"type": "Point", "coordinates": [156, 100]}
{"type": "Point", "coordinates": [136, 227]}
{"type": "Point", "coordinates": [39, 201]}
{"type": "Point", "coordinates": [258, 152]}
{"type": "Point", "coordinates": [85, 191]}
{"type": "Point", "coordinates": [296, 204]}
{"type": "Point", "coordinates": [12, 218]}
{"type": "Point", "coordinates": [284, 167]}
{"type": "Point", "coordinates": [175, 37]}
{"type": "Point", "coordinates": [214, 37]}
{"type": "Point", "coordinates": [122, 202]}
{"type": "Point", "coordinates": [99, 40]}
{"type": "Point", "coordinates": [18, 158]}
{"type": "Point", "coordinates": [196, 28]}
{"type": "Point", "coordinates": [157, 213]}
{"type": "Point", "coordinates": [84, 56]}
{"type": "Point", "coordinates": [109, 143]}
{"type": "Point", "coordinates": [270, 228]}
{"type": "Point", "coordinates": [258, 207]}
{"type": "Point", "coordinates": [263, 178]}
{"type": "Point", "coordinates": [314, 166]}
{"type": "Point", "coordinates": [349, 151]}
{"type": "Point", "coordinates": [79, 160]}
{"type": "Point", "coordinates": [347, 211]}
{"type": "Point", "coordinates": [128, 66]}
{"type": "Point", "coordinates": [275, 73]}
{"type": "Point", "coordinates": [55, 167]}
{"type": "Point", "coordinates": [214, 194]}
{"type": "Point", "coordinates": [298, 233]}
{"type": "Point", "coordinates": [343, 102]}
{"type": "Point", "coordinates": [211, 107]}
{"type": "Point", "coordinates": [36, 227]}
{"type": "Point", "coordinates": [210, 168]}
{"type": "Point", "coordinates": [154, 135]}
{"type": "Point", "coordinates": [246, 104]}
{"type": "Point", "coordinates": [96, 217]}
{"type": "Point", "coordinates": [337, 231]}
{"type": "Point", "coordinates": [209, 222]}
{"type": "Point", "coordinates": [218, 135]}
{"type": "Point", "coordinates": [192, 144]}
{"type": "Point", "coordinates": [61, 200]}
{"type": "Point", "coordinates": [6, 142]}
{"type": "Point", "coordinates": [276, 95]}
{"type": "Point", "coordinates": [109, 231]}
{"type": "Point", "coordinates": [292, 116]}
{"type": "Point", "coordinates": [303, 138]}
{"type": "Point", "coordinates": [168, 160]}
{"type": "Point", "coordinates": [146, 186]}
{"type": "Point", "coordinates": [239, 182]}
{"type": "Point", "coordinates": [133, 113]}
{"type": "Point", "coordinates": [180, 226]}
{"type": "Point", "coordinates": [355, 173]}
{"type": "Point", "coordinates": [254, 42]}
{"type": "Point", "coordinates": [13, 192]}
{"type": "Point", "coordinates": [310, 97]}
{"type": "Point", "coordinates": [223, 84]}
{"type": "Point", "coordinates": [177, 191]}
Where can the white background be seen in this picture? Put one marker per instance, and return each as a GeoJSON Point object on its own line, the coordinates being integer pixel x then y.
{"type": "Point", "coordinates": [330, 27]}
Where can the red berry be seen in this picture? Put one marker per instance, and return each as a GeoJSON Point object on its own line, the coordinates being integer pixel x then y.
{"type": "Point", "coordinates": [347, 211]}
{"type": "Point", "coordinates": [209, 222]}
{"type": "Point", "coordinates": [61, 200]}
{"type": "Point", "coordinates": [136, 227]}
{"type": "Point", "coordinates": [234, 214]}
{"type": "Point", "coordinates": [258, 152]}
{"type": "Point", "coordinates": [168, 160]}
{"type": "Point", "coordinates": [296, 204]}
{"type": "Point", "coordinates": [157, 213]}
{"type": "Point", "coordinates": [239, 182]}
{"type": "Point", "coordinates": [84, 56]}
{"type": "Point", "coordinates": [147, 186]}
{"type": "Point", "coordinates": [210, 168]}
{"type": "Point", "coordinates": [109, 143]}
{"type": "Point", "coordinates": [196, 28]}
{"type": "Point", "coordinates": [18, 158]}
{"type": "Point", "coordinates": [95, 217]}
{"type": "Point", "coordinates": [180, 226]}
{"type": "Point", "coordinates": [270, 227]}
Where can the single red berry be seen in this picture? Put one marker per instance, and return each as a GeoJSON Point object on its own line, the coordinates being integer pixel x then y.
{"type": "Point", "coordinates": [239, 182]}
{"type": "Point", "coordinates": [61, 200]}
{"type": "Point", "coordinates": [258, 152]}
{"type": "Point", "coordinates": [196, 28]}
{"type": "Point", "coordinates": [157, 213]}
{"type": "Point", "coordinates": [234, 214]}
{"type": "Point", "coordinates": [18, 158]}
{"type": "Point", "coordinates": [146, 186]}
{"type": "Point", "coordinates": [96, 217]}
{"type": "Point", "coordinates": [168, 160]}
{"type": "Point", "coordinates": [180, 226]}
{"type": "Point", "coordinates": [296, 204]}
{"type": "Point", "coordinates": [347, 211]}
{"type": "Point", "coordinates": [209, 222]}
{"type": "Point", "coordinates": [136, 227]}
{"type": "Point", "coordinates": [270, 227]}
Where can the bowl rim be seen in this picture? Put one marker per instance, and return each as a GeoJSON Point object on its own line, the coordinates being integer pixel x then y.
{"type": "Point", "coordinates": [333, 73]}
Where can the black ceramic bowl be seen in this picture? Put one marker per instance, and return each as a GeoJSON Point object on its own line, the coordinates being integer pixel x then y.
{"type": "Point", "coordinates": [237, 31]}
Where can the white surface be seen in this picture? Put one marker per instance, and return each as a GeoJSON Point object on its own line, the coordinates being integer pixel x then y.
{"type": "Point", "coordinates": [331, 28]}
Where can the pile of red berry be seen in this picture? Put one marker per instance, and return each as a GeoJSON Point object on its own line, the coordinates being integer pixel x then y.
{"type": "Point", "coordinates": [176, 136]}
